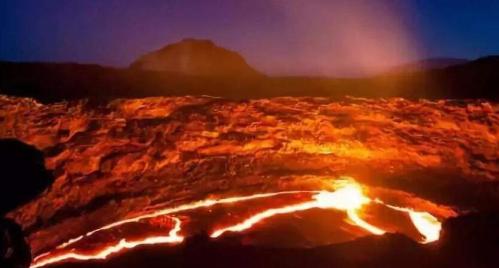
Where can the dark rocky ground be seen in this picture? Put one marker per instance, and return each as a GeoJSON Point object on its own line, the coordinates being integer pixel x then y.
{"type": "Point", "coordinates": [52, 82]}
{"type": "Point", "coordinates": [22, 178]}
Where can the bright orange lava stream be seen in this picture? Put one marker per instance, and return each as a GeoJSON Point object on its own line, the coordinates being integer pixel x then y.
{"type": "Point", "coordinates": [348, 197]}
{"type": "Point", "coordinates": [425, 223]}
{"type": "Point", "coordinates": [172, 238]}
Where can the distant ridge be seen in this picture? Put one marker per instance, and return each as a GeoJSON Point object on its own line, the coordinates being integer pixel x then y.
{"type": "Point", "coordinates": [427, 64]}
{"type": "Point", "coordinates": [50, 82]}
{"type": "Point", "coordinates": [196, 57]}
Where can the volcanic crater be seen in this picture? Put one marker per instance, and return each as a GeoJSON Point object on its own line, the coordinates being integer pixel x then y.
{"type": "Point", "coordinates": [281, 172]}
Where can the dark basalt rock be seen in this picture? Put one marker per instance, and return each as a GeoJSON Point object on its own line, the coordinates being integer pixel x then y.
{"type": "Point", "coordinates": [472, 240]}
{"type": "Point", "coordinates": [22, 177]}
{"type": "Point", "coordinates": [14, 251]}
{"type": "Point", "coordinates": [22, 174]}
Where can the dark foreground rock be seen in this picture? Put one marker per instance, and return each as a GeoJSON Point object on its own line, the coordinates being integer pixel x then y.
{"type": "Point", "coordinates": [22, 174]}
{"type": "Point", "coordinates": [22, 177]}
{"type": "Point", "coordinates": [14, 251]}
{"type": "Point", "coordinates": [472, 240]}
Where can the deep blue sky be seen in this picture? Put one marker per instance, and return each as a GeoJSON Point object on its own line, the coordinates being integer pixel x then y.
{"type": "Point", "coordinates": [324, 37]}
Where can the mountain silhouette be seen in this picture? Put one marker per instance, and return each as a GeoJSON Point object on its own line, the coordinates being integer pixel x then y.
{"type": "Point", "coordinates": [199, 67]}
{"type": "Point", "coordinates": [427, 64]}
{"type": "Point", "coordinates": [195, 57]}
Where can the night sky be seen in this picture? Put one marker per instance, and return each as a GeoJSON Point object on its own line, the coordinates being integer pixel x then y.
{"type": "Point", "coordinates": [276, 36]}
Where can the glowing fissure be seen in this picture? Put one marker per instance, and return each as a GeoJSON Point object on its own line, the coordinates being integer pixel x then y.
{"type": "Point", "coordinates": [173, 237]}
{"type": "Point", "coordinates": [46, 258]}
{"type": "Point", "coordinates": [182, 208]}
{"type": "Point", "coordinates": [354, 216]}
{"type": "Point", "coordinates": [248, 223]}
{"type": "Point", "coordinates": [347, 197]}
{"type": "Point", "coordinates": [426, 224]}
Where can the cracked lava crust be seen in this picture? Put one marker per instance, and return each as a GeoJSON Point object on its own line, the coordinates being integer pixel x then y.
{"type": "Point", "coordinates": [286, 172]}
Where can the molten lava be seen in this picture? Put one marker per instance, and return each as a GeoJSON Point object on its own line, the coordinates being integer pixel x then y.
{"type": "Point", "coordinates": [427, 224]}
{"type": "Point", "coordinates": [172, 238]}
{"type": "Point", "coordinates": [120, 166]}
{"type": "Point", "coordinates": [348, 196]}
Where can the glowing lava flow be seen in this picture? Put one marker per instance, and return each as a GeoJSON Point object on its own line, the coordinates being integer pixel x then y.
{"type": "Point", "coordinates": [191, 206]}
{"type": "Point", "coordinates": [248, 223]}
{"type": "Point", "coordinates": [347, 197]}
{"type": "Point", "coordinates": [172, 238]}
{"type": "Point", "coordinates": [46, 258]}
{"type": "Point", "coordinates": [425, 223]}
{"type": "Point", "coordinates": [354, 216]}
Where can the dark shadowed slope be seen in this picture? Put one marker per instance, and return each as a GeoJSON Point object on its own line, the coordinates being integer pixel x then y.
{"type": "Point", "coordinates": [57, 81]}
{"type": "Point", "coordinates": [427, 64]}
